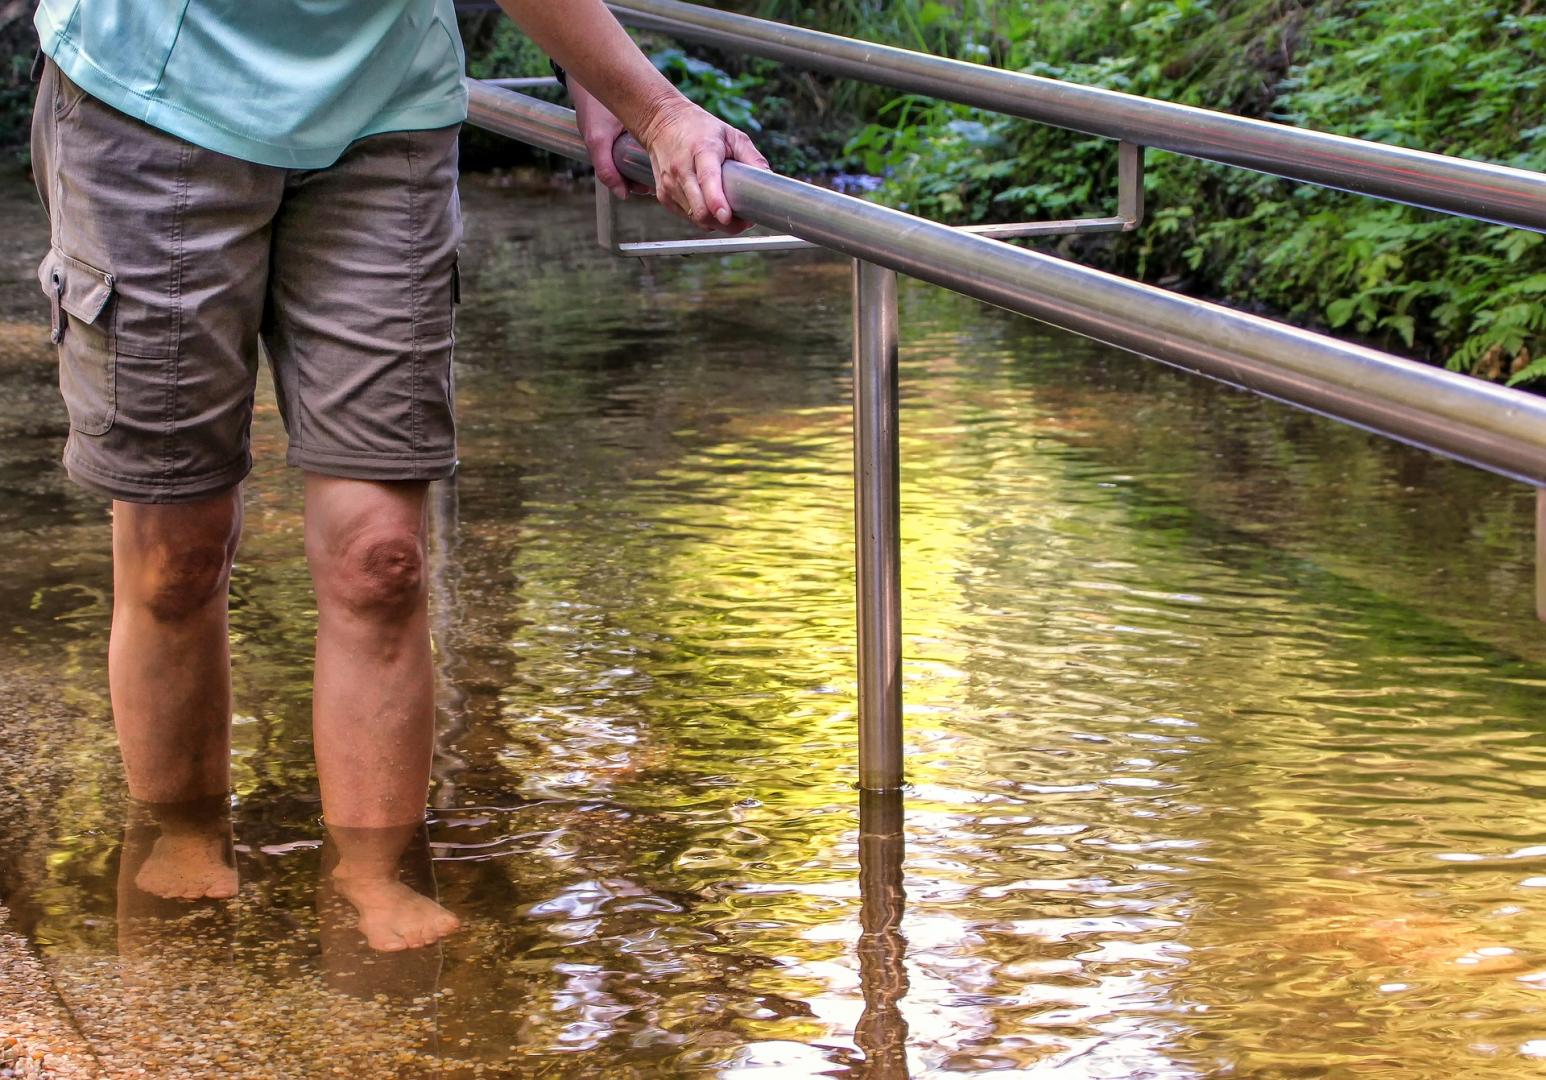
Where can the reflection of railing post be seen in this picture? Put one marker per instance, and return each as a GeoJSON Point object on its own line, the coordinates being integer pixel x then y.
{"type": "Point", "coordinates": [445, 616]}
{"type": "Point", "coordinates": [877, 528]}
{"type": "Point", "coordinates": [882, 1032]}
{"type": "Point", "coordinates": [1540, 554]}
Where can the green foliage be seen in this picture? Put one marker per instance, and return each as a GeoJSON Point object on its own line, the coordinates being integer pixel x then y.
{"type": "Point", "coordinates": [722, 94]}
{"type": "Point", "coordinates": [1461, 79]}
{"type": "Point", "coordinates": [497, 50]}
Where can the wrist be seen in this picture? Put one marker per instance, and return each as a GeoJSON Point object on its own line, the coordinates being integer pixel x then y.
{"type": "Point", "coordinates": [659, 112]}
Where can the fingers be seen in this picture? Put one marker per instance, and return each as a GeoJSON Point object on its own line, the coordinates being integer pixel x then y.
{"type": "Point", "coordinates": [708, 165]}
{"type": "Point", "coordinates": [690, 199]}
{"type": "Point", "coordinates": [677, 187]}
{"type": "Point", "coordinates": [601, 130]}
{"type": "Point", "coordinates": [688, 158]}
{"type": "Point", "coordinates": [711, 178]}
{"type": "Point", "coordinates": [601, 158]}
{"type": "Point", "coordinates": [743, 150]}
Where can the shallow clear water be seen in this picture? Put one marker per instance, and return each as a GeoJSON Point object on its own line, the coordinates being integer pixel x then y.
{"type": "Point", "coordinates": [1224, 724]}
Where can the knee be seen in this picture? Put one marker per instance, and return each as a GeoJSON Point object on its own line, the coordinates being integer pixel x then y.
{"type": "Point", "coordinates": [173, 562]}
{"type": "Point", "coordinates": [379, 574]}
{"type": "Point", "coordinates": [176, 582]}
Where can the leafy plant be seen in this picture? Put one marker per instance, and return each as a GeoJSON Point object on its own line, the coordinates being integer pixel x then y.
{"type": "Point", "coordinates": [1460, 79]}
{"type": "Point", "coordinates": [720, 93]}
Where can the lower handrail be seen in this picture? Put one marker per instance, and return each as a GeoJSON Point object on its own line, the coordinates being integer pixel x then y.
{"type": "Point", "coordinates": [1488, 426]}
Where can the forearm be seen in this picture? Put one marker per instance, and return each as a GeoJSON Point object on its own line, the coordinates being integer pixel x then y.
{"type": "Point", "coordinates": [583, 36]}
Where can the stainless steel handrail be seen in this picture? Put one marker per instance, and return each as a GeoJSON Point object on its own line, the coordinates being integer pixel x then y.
{"type": "Point", "coordinates": [1473, 189]}
{"type": "Point", "coordinates": [1501, 430]}
{"type": "Point", "coordinates": [1477, 422]}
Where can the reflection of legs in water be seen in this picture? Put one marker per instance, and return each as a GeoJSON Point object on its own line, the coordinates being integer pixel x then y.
{"type": "Point", "coordinates": [362, 866]}
{"type": "Point", "coordinates": [145, 1005]}
{"type": "Point", "coordinates": [882, 1031]}
{"type": "Point", "coordinates": [169, 670]}
{"type": "Point", "coordinates": [373, 705]}
{"type": "Point", "coordinates": [364, 954]}
{"type": "Point", "coordinates": [191, 856]}
{"type": "Point", "coordinates": [174, 853]}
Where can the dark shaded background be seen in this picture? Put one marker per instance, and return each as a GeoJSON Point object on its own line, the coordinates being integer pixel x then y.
{"type": "Point", "coordinates": [18, 48]}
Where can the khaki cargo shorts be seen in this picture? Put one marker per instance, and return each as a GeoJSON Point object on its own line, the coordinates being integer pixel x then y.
{"type": "Point", "coordinates": [170, 264]}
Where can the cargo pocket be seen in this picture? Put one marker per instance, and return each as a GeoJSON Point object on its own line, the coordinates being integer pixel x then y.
{"type": "Point", "coordinates": [81, 324]}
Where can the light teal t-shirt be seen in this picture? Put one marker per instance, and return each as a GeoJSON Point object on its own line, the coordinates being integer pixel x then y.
{"type": "Point", "coordinates": [280, 82]}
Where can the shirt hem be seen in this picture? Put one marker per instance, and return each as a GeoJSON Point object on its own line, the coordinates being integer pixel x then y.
{"type": "Point", "coordinates": [205, 133]}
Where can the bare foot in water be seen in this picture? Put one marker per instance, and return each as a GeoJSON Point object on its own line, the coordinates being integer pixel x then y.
{"type": "Point", "coordinates": [394, 917]}
{"type": "Point", "coordinates": [188, 866]}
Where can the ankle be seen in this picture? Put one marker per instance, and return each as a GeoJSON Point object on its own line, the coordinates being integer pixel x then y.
{"type": "Point", "coordinates": [364, 881]}
{"type": "Point", "coordinates": [203, 815]}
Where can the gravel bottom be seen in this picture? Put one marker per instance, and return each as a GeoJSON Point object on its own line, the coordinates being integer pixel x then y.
{"type": "Point", "coordinates": [180, 996]}
{"type": "Point", "coordinates": [37, 1036]}
{"type": "Point", "coordinates": [173, 1016]}
{"type": "Point", "coordinates": [178, 1003]}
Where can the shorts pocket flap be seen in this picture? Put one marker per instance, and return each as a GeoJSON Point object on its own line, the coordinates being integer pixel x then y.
{"type": "Point", "coordinates": [81, 288]}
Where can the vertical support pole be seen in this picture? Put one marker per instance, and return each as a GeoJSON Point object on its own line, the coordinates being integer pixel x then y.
{"type": "Point", "coordinates": [1540, 554]}
{"type": "Point", "coordinates": [877, 527]}
{"type": "Point", "coordinates": [606, 218]}
{"type": "Point", "coordinates": [1130, 184]}
{"type": "Point", "coordinates": [882, 1029]}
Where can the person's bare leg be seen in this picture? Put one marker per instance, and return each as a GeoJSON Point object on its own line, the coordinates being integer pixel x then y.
{"type": "Point", "coordinates": [169, 672]}
{"type": "Point", "coordinates": [373, 705]}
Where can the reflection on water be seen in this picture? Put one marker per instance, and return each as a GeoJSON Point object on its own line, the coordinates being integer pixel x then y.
{"type": "Point", "coordinates": [1224, 724]}
{"type": "Point", "coordinates": [881, 1033]}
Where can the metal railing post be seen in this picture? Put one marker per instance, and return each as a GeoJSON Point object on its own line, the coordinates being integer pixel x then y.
{"type": "Point", "coordinates": [877, 527]}
{"type": "Point", "coordinates": [1130, 184]}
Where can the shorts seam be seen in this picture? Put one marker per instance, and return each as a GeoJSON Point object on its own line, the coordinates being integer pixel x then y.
{"type": "Point", "coordinates": [54, 171]}
{"type": "Point", "coordinates": [61, 110]}
{"type": "Point", "coordinates": [174, 300]}
{"type": "Point", "coordinates": [416, 270]}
